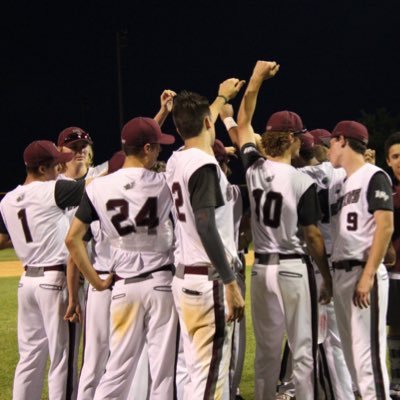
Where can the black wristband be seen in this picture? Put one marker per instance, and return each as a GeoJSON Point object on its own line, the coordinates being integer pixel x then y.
{"type": "Point", "coordinates": [225, 98]}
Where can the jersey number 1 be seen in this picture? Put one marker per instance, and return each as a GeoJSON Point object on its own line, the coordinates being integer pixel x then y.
{"type": "Point", "coordinates": [25, 227]}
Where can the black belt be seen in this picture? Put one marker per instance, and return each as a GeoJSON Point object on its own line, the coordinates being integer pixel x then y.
{"type": "Point", "coordinates": [102, 272]}
{"type": "Point", "coordinates": [144, 276]}
{"type": "Point", "coordinates": [59, 267]}
{"type": "Point", "coordinates": [348, 265]}
{"type": "Point", "coordinates": [274, 258]}
{"type": "Point", "coordinates": [190, 269]}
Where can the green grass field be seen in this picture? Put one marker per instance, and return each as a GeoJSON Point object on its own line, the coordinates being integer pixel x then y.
{"type": "Point", "coordinates": [9, 347]}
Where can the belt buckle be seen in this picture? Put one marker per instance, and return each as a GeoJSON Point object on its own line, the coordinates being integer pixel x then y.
{"type": "Point", "coordinates": [34, 272]}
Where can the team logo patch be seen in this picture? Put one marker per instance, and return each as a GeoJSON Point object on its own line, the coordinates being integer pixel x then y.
{"type": "Point", "coordinates": [380, 194]}
{"type": "Point", "coordinates": [129, 185]}
{"type": "Point", "coordinates": [249, 149]}
{"type": "Point", "coordinates": [21, 197]}
{"type": "Point", "coordinates": [270, 178]}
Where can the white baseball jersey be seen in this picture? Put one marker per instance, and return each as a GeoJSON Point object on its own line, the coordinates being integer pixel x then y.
{"type": "Point", "coordinates": [100, 248]}
{"type": "Point", "coordinates": [133, 206]}
{"type": "Point", "coordinates": [329, 180]}
{"type": "Point", "coordinates": [352, 223]}
{"type": "Point", "coordinates": [180, 167]}
{"type": "Point", "coordinates": [35, 224]}
{"type": "Point", "coordinates": [275, 190]}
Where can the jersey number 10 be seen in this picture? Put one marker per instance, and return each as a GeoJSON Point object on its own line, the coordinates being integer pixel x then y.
{"type": "Point", "coordinates": [272, 208]}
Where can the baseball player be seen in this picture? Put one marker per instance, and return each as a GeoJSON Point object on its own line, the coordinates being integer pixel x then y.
{"type": "Point", "coordinates": [206, 294]}
{"type": "Point", "coordinates": [332, 369]}
{"type": "Point", "coordinates": [239, 332]}
{"type": "Point", "coordinates": [392, 153]}
{"type": "Point", "coordinates": [362, 225]}
{"type": "Point", "coordinates": [133, 206]}
{"type": "Point", "coordinates": [283, 291]}
{"type": "Point", "coordinates": [32, 215]}
{"type": "Point", "coordinates": [76, 141]}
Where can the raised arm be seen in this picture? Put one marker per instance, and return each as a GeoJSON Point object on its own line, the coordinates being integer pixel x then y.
{"type": "Point", "coordinates": [226, 92]}
{"type": "Point", "coordinates": [166, 100]}
{"type": "Point", "coordinates": [226, 114]}
{"type": "Point", "coordinates": [262, 71]}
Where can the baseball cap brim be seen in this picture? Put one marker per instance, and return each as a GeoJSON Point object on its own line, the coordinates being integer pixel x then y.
{"type": "Point", "coordinates": [325, 140]}
{"type": "Point", "coordinates": [63, 158]}
{"type": "Point", "coordinates": [166, 139]}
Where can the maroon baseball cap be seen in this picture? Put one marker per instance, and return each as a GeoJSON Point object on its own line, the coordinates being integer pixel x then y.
{"type": "Point", "coordinates": [71, 135]}
{"type": "Point", "coordinates": [285, 121]}
{"type": "Point", "coordinates": [43, 151]}
{"type": "Point", "coordinates": [220, 152]}
{"type": "Point", "coordinates": [116, 161]}
{"type": "Point", "coordinates": [321, 136]}
{"type": "Point", "coordinates": [307, 141]}
{"type": "Point", "coordinates": [141, 130]}
{"type": "Point", "coordinates": [351, 130]}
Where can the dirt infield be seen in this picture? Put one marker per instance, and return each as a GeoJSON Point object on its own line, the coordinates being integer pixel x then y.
{"type": "Point", "coordinates": [10, 268]}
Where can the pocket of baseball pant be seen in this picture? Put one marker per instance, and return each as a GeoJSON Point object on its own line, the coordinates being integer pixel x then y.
{"type": "Point", "coordinates": [163, 288]}
{"type": "Point", "coordinates": [48, 286]}
{"type": "Point", "coordinates": [191, 292]}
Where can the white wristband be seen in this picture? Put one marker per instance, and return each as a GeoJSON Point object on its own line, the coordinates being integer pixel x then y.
{"type": "Point", "coordinates": [229, 123]}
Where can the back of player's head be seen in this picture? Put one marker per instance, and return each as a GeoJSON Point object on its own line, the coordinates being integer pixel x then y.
{"type": "Point", "coordinates": [281, 126]}
{"type": "Point", "coordinates": [306, 146]}
{"type": "Point", "coordinates": [394, 138]}
{"type": "Point", "coordinates": [140, 131]}
{"type": "Point", "coordinates": [189, 112]}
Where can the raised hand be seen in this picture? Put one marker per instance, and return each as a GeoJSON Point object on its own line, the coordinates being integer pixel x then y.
{"type": "Point", "coordinates": [230, 88]}
{"type": "Point", "coordinates": [265, 69]}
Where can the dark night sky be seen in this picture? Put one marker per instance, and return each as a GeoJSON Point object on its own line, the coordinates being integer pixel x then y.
{"type": "Point", "coordinates": [58, 65]}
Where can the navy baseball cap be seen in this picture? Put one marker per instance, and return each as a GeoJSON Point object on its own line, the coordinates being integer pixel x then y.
{"type": "Point", "coordinates": [141, 130]}
{"type": "Point", "coordinates": [42, 152]}
{"type": "Point", "coordinates": [285, 121]}
{"type": "Point", "coordinates": [351, 130]}
{"type": "Point", "coordinates": [71, 135]}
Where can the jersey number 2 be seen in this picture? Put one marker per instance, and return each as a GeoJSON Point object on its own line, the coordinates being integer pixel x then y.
{"type": "Point", "coordinates": [272, 207]}
{"type": "Point", "coordinates": [147, 216]}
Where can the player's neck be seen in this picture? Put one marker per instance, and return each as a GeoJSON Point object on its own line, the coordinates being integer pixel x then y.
{"type": "Point", "coordinates": [285, 158]}
{"type": "Point", "coordinates": [201, 142]}
{"type": "Point", "coordinates": [33, 178]}
{"type": "Point", "coordinates": [136, 162]}
{"type": "Point", "coordinates": [353, 163]}
{"type": "Point", "coordinates": [76, 171]}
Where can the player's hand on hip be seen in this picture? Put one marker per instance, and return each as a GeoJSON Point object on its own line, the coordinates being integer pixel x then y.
{"type": "Point", "coordinates": [361, 297]}
{"type": "Point", "coordinates": [101, 284]}
{"type": "Point", "coordinates": [235, 302]}
{"type": "Point", "coordinates": [325, 293]}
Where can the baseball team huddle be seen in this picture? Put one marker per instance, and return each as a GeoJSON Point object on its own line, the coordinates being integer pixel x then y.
{"type": "Point", "coordinates": [147, 261]}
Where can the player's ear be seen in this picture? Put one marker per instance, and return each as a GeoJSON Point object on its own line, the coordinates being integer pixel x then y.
{"type": "Point", "coordinates": [207, 122]}
{"type": "Point", "coordinates": [147, 148]}
{"type": "Point", "coordinates": [42, 169]}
